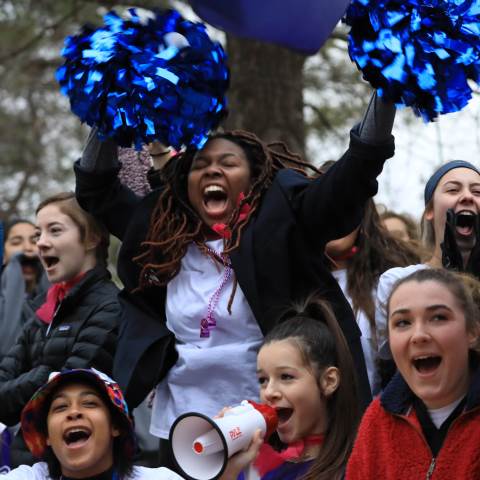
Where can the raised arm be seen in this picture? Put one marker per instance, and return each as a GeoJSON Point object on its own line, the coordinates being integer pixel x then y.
{"type": "Point", "coordinates": [377, 123]}
{"type": "Point", "coordinates": [332, 205]}
{"type": "Point", "coordinates": [98, 188]}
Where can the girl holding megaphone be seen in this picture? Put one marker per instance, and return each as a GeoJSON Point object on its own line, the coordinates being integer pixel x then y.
{"type": "Point", "coordinates": [306, 373]}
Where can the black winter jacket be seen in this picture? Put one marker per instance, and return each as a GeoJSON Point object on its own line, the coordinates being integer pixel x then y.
{"type": "Point", "coordinates": [82, 334]}
{"type": "Point", "coordinates": [279, 260]}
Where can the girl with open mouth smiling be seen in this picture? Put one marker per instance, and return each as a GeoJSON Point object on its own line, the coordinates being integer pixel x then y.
{"type": "Point", "coordinates": [305, 371]}
{"type": "Point", "coordinates": [426, 423]}
{"type": "Point", "coordinates": [79, 426]}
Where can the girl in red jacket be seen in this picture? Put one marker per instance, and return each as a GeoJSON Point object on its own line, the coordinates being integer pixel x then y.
{"type": "Point", "coordinates": [426, 424]}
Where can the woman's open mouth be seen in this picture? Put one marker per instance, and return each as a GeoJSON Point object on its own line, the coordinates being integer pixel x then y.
{"type": "Point", "coordinates": [426, 364]}
{"type": "Point", "coordinates": [465, 222]}
{"type": "Point", "coordinates": [50, 262]}
{"type": "Point", "coordinates": [284, 415]}
{"type": "Point", "coordinates": [215, 201]}
{"type": "Point", "coordinates": [76, 437]}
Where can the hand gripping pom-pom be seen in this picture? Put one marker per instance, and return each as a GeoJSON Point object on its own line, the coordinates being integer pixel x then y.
{"type": "Point", "coordinates": [418, 53]}
{"type": "Point", "coordinates": [145, 78]}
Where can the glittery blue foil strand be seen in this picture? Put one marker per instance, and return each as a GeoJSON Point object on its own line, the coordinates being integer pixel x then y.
{"type": "Point", "coordinates": [146, 77]}
{"type": "Point", "coordinates": [418, 53]}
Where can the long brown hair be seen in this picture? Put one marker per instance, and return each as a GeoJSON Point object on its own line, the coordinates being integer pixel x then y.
{"type": "Point", "coordinates": [312, 327]}
{"type": "Point", "coordinates": [377, 251]}
{"type": "Point", "coordinates": [174, 224]}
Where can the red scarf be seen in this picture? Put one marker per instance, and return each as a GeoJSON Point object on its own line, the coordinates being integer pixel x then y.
{"type": "Point", "coordinates": [346, 256]}
{"type": "Point", "coordinates": [269, 459]}
{"type": "Point", "coordinates": [222, 229]}
{"type": "Point", "coordinates": [56, 293]}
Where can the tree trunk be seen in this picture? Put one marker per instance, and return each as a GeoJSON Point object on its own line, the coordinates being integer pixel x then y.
{"type": "Point", "coordinates": [266, 92]}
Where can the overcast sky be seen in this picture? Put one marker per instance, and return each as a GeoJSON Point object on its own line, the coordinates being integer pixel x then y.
{"type": "Point", "coordinates": [421, 148]}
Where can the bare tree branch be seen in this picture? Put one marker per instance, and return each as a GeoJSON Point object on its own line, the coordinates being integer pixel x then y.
{"type": "Point", "coordinates": [12, 55]}
{"type": "Point", "coordinates": [12, 203]}
{"type": "Point", "coordinates": [325, 121]}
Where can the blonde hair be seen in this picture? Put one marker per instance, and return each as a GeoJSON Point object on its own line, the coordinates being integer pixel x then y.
{"type": "Point", "coordinates": [427, 231]}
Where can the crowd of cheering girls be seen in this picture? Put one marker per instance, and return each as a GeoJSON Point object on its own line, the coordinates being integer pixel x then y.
{"type": "Point", "coordinates": [247, 273]}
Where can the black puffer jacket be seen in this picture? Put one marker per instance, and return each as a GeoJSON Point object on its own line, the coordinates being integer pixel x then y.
{"type": "Point", "coordinates": [82, 334]}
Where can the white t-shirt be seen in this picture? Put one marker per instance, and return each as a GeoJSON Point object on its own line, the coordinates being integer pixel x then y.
{"type": "Point", "coordinates": [39, 471]}
{"type": "Point", "coordinates": [439, 415]}
{"type": "Point", "coordinates": [212, 372]}
{"type": "Point", "coordinates": [367, 339]}
{"type": "Point", "coordinates": [385, 284]}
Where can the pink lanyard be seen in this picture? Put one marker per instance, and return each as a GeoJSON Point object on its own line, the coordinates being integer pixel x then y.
{"type": "Point", "coordinates": [209, 322]}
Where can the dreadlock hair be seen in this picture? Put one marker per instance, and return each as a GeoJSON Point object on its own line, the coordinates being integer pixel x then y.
{"type": "Point", "coordinates": [312, 328]}
{"type": "Point", "coordinates": [174, 224]}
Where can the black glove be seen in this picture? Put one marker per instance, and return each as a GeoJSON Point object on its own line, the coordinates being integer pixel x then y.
{"type": "Point", "coordinates": [451, 256]}
{"type": "Point", "coordinates": [99, 156]}
{"type": "Point", "coordinates": [377, 123]}
{"type": "Point", "coordinates": [473, 264]}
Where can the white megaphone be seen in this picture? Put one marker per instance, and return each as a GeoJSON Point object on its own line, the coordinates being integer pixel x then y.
{"type": "Point", "coordinates": [202, 445]}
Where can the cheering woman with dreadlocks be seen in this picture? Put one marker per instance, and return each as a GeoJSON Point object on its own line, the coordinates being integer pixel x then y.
{"type": "Point", "coordinates": [210, 259]}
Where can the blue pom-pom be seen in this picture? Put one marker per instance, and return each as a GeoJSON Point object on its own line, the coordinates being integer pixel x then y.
{"type": "Point", "coordinates": [153, 76]}
{"type": "Point", "coordinates": [418, 53]}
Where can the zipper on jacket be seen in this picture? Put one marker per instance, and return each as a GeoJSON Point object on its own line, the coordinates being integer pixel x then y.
{"type": "Point", "coordinates": [53, 319]}
{"type": "Point", "coordinates": [434, 459]}
{"type": "Point", "coordinates": [454, 423]}
{"type": "Point", "coordinates": [431, 469]}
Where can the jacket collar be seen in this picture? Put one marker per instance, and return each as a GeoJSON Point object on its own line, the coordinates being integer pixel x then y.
{"type": "Point", "coordinates": [92, 276]}
{"type": "Point", "coordinates": [397, 397]}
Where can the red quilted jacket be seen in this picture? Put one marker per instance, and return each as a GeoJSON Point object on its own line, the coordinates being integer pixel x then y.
{"type": "Point", "coordinates": [390, 444]}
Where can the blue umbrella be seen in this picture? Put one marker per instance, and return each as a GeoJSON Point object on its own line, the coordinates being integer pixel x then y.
{"type": "Point", "coordinates": [301, 25]}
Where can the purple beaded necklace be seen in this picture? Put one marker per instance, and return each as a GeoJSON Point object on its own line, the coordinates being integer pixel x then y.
{"type": "Point", "coordinates": [209, 322]}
